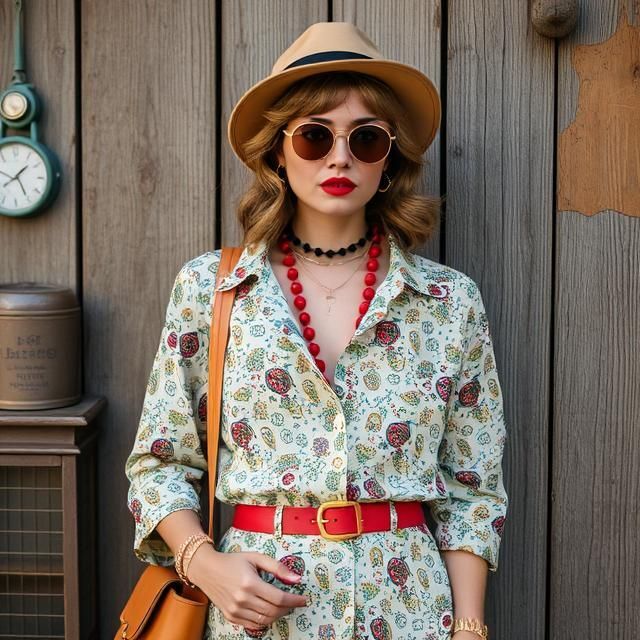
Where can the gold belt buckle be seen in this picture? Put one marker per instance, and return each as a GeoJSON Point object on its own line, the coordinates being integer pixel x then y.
{"type": "Point", "coordinates": [339, 503]}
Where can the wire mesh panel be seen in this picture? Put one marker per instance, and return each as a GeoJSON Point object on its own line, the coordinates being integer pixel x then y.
{"type": "Point", "coordinates": [31, 553]}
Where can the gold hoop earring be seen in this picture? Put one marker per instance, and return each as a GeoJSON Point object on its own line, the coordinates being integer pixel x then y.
{"type": "Point", "coordinates": [283, 180]}
{"type": "Point", "coordinates": [384, 173]}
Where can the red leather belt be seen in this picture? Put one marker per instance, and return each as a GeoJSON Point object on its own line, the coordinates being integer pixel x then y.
{"type": "Point", "coordinates": [334, 520]}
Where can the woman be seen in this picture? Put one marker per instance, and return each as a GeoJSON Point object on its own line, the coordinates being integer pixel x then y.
{"type": "Point", "coordinates": [356, 371]}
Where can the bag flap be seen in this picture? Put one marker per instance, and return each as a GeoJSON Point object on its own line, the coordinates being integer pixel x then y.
{"type": "Point", "coordinates": [145, 595]}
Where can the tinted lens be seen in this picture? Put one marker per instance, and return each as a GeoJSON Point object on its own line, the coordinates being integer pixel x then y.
{"type": "Point", "coordinates": [312, 141]}
{"type": "Point", "coordinates": [369, 143]}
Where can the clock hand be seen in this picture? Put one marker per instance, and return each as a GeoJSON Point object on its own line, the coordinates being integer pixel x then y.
{"type": "Point", "coordinates": [21, 170]}
{"type": "Point", "coordinates": [5, 174]}
{"type": "Point", "coordinates": [20, 183]}
{"type": "Point", "coordinates": [8, 181]}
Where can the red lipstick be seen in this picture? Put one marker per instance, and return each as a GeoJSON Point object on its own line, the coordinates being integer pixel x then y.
{"type": "Point", "coordinates": [338, 186]}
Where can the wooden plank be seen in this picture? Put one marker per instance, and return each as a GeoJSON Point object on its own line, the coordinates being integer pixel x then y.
{"type": "Point", "coordinates": [70, 550]}
{"type": "Point", "coordinates": [26, 460]}
{"type": "Point", "coordinates": [77, 415]}
{"type": "Point", "coordinates": [250, 47]}
{"type": "Point", "coordinates": [408, 31]}
{"type": "Point", "coordinates": [44, 248]}
{"type": "Point", "coordinates": [595, 558]}
{"type": "Point", "coordinates": [498, 231]}
{"type": "Point", "coordinates": [148, 164]}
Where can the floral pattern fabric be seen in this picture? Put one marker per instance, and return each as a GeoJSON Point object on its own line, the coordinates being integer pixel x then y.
{"type": "Point", "coordinates": [415, 412]}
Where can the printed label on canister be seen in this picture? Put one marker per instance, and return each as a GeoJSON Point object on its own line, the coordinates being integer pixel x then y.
{"type": "Point", "coordinates": [39, 360]}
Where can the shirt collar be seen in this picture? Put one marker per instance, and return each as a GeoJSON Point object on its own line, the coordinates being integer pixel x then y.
{"type": "Point", "coordinates": [402, 263]}
{"type": "Point", "coordinates": [246, 266]}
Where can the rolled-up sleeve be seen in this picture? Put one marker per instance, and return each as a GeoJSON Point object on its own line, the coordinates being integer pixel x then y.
{"type": "Point", "coordinates": [167, 463]}
{"type": "Point", "coordinates": [472, 516]}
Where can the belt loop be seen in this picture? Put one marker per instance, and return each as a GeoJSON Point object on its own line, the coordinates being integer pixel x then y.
{"type": "Point", "coordinates": [393, 517]}
{"type": "Point", "coordinates": [277, 520]}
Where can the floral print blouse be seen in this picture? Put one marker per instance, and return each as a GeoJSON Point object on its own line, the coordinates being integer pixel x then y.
{"type": "Point", "coordinates": [415, 412]}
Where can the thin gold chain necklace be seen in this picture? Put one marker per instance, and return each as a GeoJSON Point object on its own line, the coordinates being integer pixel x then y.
{"type": "Point", "coordinates": [331, 264]}
{"type": "Point", "coordinates": [330, 298]}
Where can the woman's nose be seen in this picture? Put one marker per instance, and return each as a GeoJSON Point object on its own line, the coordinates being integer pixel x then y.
{"type": "Point", "coordinates": [340, 153]}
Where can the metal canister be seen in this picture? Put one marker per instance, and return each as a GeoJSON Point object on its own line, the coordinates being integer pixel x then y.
{"type": "Point", "coordinates": [40, 338]}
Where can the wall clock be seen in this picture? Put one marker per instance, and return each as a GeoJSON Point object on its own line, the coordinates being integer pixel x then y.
{"type": "Point", "coordinates": [30, 172]}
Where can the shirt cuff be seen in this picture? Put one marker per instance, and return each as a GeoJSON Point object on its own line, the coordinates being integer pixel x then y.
{"type": "Point", "coordinates": [479, 539]}
{"type": "Point", "coordinates": [148, 545]}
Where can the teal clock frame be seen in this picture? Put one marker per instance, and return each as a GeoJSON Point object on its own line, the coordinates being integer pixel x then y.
{"type": "Point", "coordinates": [52, 166]}
{"type": "Point", "coordinates": [34, 104]}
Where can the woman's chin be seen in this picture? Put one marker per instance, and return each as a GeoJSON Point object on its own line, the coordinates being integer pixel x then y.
{"type": "Point", "coordinates": [335, 206]}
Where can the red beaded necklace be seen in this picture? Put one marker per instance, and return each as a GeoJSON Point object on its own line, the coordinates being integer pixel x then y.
{"type": "Point", "coordinates": [300, 301]}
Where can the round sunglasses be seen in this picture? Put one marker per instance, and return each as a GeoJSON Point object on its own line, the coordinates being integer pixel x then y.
{"type": "Point", "coordinates": [368, 143]}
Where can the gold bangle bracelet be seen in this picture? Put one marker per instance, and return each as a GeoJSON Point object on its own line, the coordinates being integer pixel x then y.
{"type": "Point", "coordinates": [180, 555]}
{"type": "Point", "coordinates": [178, 558]}
{"type": "Point", "coordinates": [470, 624]}
{"type": "Point", "coordinates": [190, 552]}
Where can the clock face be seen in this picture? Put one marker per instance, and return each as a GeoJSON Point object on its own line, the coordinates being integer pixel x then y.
{"type": "Point", "coordinates": [23, 176]}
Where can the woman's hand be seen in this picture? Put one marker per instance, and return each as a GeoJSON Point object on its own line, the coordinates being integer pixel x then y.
{"type": "Point", "coordinates": [232, 583]}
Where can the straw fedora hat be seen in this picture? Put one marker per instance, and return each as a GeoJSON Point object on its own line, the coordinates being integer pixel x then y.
{"type": "Point", "coordinates": [336, 46]}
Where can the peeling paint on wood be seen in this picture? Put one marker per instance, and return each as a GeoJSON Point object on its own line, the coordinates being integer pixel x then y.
{"type": "Point", "coordinates": [599, 152]}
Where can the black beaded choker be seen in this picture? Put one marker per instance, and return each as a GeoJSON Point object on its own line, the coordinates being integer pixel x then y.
{"type": "Point", "coordinates": [329, 252]}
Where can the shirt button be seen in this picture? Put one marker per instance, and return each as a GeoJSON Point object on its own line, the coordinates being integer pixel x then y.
{"type": "Point", "coordinates": [338, 422]}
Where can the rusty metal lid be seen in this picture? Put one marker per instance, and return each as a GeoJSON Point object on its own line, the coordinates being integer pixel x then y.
{"type": "Point", "coordinates": [34, 297]}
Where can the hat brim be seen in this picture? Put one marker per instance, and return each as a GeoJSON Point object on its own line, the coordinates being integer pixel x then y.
{"type": "Point", "coordinates": [414, 90]}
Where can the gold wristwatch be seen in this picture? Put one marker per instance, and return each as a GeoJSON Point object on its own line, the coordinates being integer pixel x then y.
{"type": "Point", "coordinates": [470, 624]}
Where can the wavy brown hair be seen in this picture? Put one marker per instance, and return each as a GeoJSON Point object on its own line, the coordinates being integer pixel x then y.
{"type": "Point", "coordinates": [265, 208]}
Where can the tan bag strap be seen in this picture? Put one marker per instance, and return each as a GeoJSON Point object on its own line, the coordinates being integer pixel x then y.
{"type": "Point", "coordinates": [218, 336]}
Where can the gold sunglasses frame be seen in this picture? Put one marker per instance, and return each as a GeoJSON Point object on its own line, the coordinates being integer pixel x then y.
{"type": "Point", "coordinates": [342, 132]}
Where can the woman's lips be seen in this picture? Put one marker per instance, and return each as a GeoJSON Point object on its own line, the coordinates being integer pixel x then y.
{"type": "Point", "coordinates": [335, 190]}
{"type": "Point", "coordinates": [337, 187]}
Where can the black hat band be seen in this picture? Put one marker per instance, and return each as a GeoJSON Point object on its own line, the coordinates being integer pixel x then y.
{"type": "Point", "coordinates": [326, 56]}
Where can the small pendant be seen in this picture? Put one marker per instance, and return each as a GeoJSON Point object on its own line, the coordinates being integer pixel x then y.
{"type": "Point", "coordinates": [330, 300]}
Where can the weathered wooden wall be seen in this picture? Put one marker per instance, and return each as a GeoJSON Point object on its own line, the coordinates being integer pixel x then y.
{"type": "Point", "coordinates": [138, 96]}
{"type": "Point", "coordinates": [150, 148]}
{"type": "Point", "coordinates": [594, 557]}
{"type": "Point", "coordinates": [499, 226]}
{"type": "Point", "coordinates": [47, 248]}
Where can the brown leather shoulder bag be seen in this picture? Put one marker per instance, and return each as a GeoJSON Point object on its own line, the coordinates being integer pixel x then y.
{"type": "Point", "coordinates": [161, 606]}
